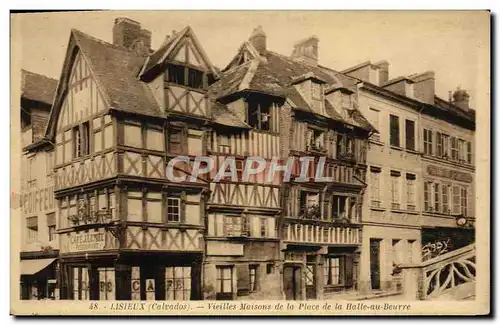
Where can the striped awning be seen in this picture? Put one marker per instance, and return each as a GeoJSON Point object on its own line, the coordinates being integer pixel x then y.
{"type": "Point", "coordinates": [30, 267]}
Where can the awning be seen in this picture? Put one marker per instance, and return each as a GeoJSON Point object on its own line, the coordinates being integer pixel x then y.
{"type": "Point", "coordinates": [30, 267]}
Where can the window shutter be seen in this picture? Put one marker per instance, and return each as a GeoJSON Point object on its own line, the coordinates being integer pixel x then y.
{"type": "Point", "coordinates": [470, 203]}
{"type": "Point", "coordinates": [32, 222]}
{"type": "Point", "coordinates": [182, 216]}
{"type": "Point", "coordinates": [243, 280]}
{"type": "Point", "coordinates": [349, 270]}
{"type": "Point", "coordinates": [326, 204]}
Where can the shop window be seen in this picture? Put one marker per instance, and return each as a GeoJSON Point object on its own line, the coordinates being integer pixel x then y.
{"type": "Point", "coordinates": [178, 283]}
{"type": "Point", "coordinates": [106, 283]}
{"type": "Point", "coordinates": [252, 274]}
{"type": "Point", "coordinates": [224, 282]}
{"type": "Point", "coordinates": [334, 270]}
{"type": "Point", "coordinates": [259, 113]}
{"type": "Point", "coordinates": [394, 130]}
{"type": "Point", "coordinates": [32, 226]}
{"type": "Point", "coordinates": [80, 283]}
{"type": "Point", "coordinates": [173, 209]}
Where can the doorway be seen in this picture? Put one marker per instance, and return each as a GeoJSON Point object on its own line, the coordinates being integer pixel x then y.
{"type": "Point", "coordinates": [375, 263]}
{"type": "Point", "coordinates": [292, 282]}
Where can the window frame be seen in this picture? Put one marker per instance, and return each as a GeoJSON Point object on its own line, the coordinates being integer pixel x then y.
{"type": "Point", "coordinates": [395, 129]}
{"type": "Point", "coordinates": [179, 208]}
{"type": "Point", "coordinates": [221, 279]}
{"type": "Point", "coordinates": [410, 137]}
{"type": "Point", "coordinates": [328, 273]}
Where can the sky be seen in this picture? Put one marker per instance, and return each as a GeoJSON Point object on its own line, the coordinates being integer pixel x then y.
{"type": "Point", "coordinates": [453, 44]}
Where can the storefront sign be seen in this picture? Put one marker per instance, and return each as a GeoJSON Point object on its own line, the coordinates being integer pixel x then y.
{"type": "Point", "coordinates": [448, 173]}
{"type": "Point", "coordinates": [38, 200]}
{"type": "Point", "coordinates": [150, 289]}
{"type": "Point", "coordinates": [88, 241]}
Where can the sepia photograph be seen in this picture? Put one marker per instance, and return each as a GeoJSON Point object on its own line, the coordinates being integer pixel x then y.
{"type": "Point", "coordinates": [250, 162]}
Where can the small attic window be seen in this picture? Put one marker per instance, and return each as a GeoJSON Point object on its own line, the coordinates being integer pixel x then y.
{"type": "Point", "coordinates": [176, 74]}
{"type": "Point", "coordinates": [195, 78]}
{"type": "Point", "coordinates": [259, 113]}
{"type": "Point", "coordinates": [316, 91]}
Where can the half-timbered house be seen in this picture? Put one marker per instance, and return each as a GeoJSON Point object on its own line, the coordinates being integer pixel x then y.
{"type": "Point", "coordinates": [284, 107]}
{"type": "Point", "coordinates": [121, 112]}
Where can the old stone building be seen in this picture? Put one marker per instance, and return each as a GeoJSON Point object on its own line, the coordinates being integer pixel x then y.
{"type": "Point", "coordinates": [39, 246]}
{"type": "Point", "coordinates": [355, 172]}
{"type": "Point", "coordinates": [421, 173]}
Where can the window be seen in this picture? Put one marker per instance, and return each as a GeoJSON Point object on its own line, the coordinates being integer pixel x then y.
{"type": "Point", "coordinates": [224, 279]}
{"type": "Point", "coordinates": [32, 226]}
{"type": "Point", "coordinates": [50, 163]}
{"type": "Point", "coordinates": [410, 134]}
{"type": "Point", "coordinates": [454, 148]}
{"type": "Point", "coordinates": [309, 204]}
{"type": "Point", "coordinates": [427, 142]}
{"type": "Point", "coordinates": [456, 199]}
{"type": "Point", "coordinates": [410, 192]}
{"type": "Point", "coordinates": [259, 116]}
{"type": "Point", "coordinates": [443, 145]}
{"type": "Point", "coordinates": [375, 122]}
{"type": "Point", "coordinates": [178, 283]}
{"type": "Point", "coordinates": [106, 283]}
{"type": "Point", "coordinates": [81, 283]}
{"type": "Point", "coordinates": [252, 273]}
{"type": "Point", "coordinates": [309, 274]}
{"type": "Point", "coordinates": [445, 193]}
{"type": "Point", "coordinates": [81, 143]}
{"type": "Point", "coordinates": [469, 152]}
{"type": "Point", "coordinates": [427, 196]}
{"type": "Point", "coordinates": [224, 143]}
{"type": "Point", "coordinates": [345, 146]}
{"type": "Point", "coordinates": [395, 193]}
{"type": "Point", "coordinates": [233, 226]}
{"type": "Point", "coordinates": [176, 74]}
{"type": "Point", "coordinates": [339, 206]}
{"type": "Point", "coordinates": [463, 201]}
{"type": "Point", "coordinates": [315, 139]}
{"type": "Point", "coordinates": [461, 151]}
{"type": "Point", "coordinates": [394, 128]}
{"type": "Point", "coordinates": [439, 145]}
{"type": "Point", "coordinates": [375, 186]}
{"type": "Point", "coordinates": [173, 209]}
{"type": "Point", "coordinates": [51, 224]}
{"type": "Point", "coordinates": [195, 78]}
{"type": "Point", "coordinates": [263, 227]}
{"type": "Point", "coordinates": [269, 268]}
{"type": "Point", "coordinates": [437, 195]}
{"type": "Point", "coordinates": [334, 270]}
{"type": "Point", "coordinates": [31, 172]}
{"type": "Point", "coordinates": [175, 141]}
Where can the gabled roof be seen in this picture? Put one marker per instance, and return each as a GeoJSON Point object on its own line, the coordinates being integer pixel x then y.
{"type": "Point", "coordinates": [166, 48]}
{"type": "Point", "coordinates": [115, 72]}
{"type": "Point", "coordinates": [37, 87]}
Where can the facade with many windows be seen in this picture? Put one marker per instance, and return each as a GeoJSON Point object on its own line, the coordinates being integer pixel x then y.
{"type": "Point", "coordinates": [39, 246]}
{"type": "Point", "coordinates": [391, 213]}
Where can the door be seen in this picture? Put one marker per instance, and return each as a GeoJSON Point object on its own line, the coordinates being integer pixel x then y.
{"type": "Point", "coordinates": [309, 277]}
{"type": "Point", "coordinates": [375, 263]}
{"type": "Point", "coordinates": [292, 282]}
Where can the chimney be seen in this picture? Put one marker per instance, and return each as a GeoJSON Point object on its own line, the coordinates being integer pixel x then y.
{"type": "Point", "coordinates": [383, 72]}
{"type": "Point", "coordinates": [461, 99]}
{"type": "Point", "coordinates": [424, 87]}
{"type": "Point", "coordinates": [128, 33]}
{"type": "Point", "coordinates": [259, 39]}
{"type": "Point", "coordinates": [306, 50]}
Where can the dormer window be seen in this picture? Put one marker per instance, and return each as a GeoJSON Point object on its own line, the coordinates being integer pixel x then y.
{"type": "Point", "coordinates": [184, 76]}
{"type": "Point", "coordinates": [316, 91]}
{"type": "Point", "coordinates": [259, 114]}
{"type": "Point", "coordinates": [315, 140]}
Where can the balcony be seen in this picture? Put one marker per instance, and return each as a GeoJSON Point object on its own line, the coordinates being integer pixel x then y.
{"type": "Point", "coordinates": [321, 235]}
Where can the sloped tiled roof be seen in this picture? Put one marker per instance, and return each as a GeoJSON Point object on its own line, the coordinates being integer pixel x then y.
{"type": "Point", "coordinates": [157, 55]}
{"type": "Point", "coordinates": [116, 70]}
{"type": "Point", "coordinates": [229, 81]}
{"type": "Point", "coordinates": [37, 87]}
{"type": "Point", "coordinates": [457, 111]}
{"type": "Point", "coordinates": [223, 116]}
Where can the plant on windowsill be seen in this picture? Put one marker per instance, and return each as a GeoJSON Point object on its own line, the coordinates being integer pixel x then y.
{"type": "Point", "coordinates": [312, 212]}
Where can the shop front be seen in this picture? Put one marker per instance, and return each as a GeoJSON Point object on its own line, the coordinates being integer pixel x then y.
{"type": "Point", "coordinates": [38, 278]}
{"type": "Point", "coordinates": [93, 267]}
